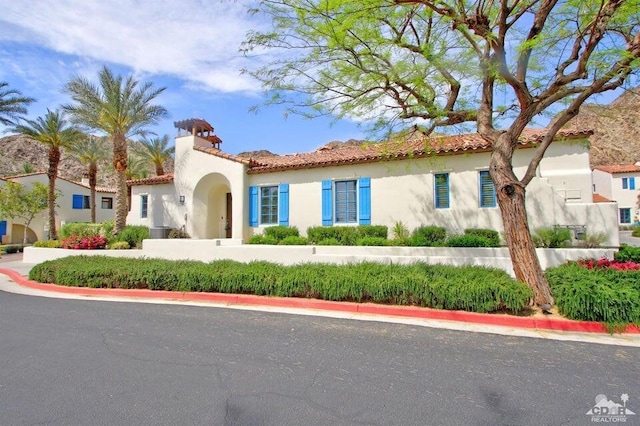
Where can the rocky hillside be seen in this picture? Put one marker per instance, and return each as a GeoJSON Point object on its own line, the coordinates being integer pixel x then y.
{"type": "Point", "coordinates": [19, 154]}
{"type": "Point", "coordinates": [617, 129]}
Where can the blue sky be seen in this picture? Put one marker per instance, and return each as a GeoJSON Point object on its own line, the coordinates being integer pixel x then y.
{"type": "Point", "coordinates": [188, 46]}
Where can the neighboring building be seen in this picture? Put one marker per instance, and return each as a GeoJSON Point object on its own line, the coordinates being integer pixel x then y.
{"type": "Point", "coordinates": [73, 205]}
{"type": "Point", "coordinates": [442, 180]}
{"type": "Point", "coordinates": [620, 183]}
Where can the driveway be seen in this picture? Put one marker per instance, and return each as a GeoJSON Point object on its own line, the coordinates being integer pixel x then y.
{"type": "Point", "coordinates": [626, 238]}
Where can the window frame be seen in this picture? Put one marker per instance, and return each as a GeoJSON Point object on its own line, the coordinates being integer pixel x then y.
{"type": "Point", "coordinates": [355, 202]}
{"type": "Point", "coordinates": [275, 197]}
{"type": "Point", "coordinates": [436, 194]}
{"type": "Point", "coordinates": [626, 212]}
{"type": "Point", "coordinates": [144, 206]}
{"type": "Point", "coordinates": [481, 192]}
{"type": "Point", "coordinates": [109, 201]}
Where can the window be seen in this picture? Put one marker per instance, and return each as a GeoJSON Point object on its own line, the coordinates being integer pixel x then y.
{"type": "Point", "coordinates": [625, 215]}
{"type": "Point", "coordinates": [268, 205]}
{"type": "Point", "coordinates": [144, 201]}
{"type": "Point", "coordinates": [487, 190]}
{"type": "Point", "coordinates": [441, 190]}
{"type": "Point", "coordinates": [79, 201]}
{"type": "Point", "coordinates": [107, 203]}
{"type": "Point", "coordinates": [625, 183]}
{"type": "Point", "coordinates": [346, 202]}
{"type": "Point", "coordinates": [629, 183]}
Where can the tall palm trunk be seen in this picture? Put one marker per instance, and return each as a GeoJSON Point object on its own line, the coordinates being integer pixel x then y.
{"type": "Point", "coordinates": [511, 200]}
{"type": "Point", "coordinates": [120, 165]}
{"type": "Point", "coordinates": [93, 179]}
{"type": "Point", "coordinates": [159, 169]}
{"type": "Point", "coordinates": [52, 174]}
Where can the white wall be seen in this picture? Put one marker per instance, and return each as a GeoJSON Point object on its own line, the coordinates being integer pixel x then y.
{"type": "Point", "coordinates": [611, 187]}
{"type": "Point", "coordinates": [163, 208]}
{"type": "Point", "coordinates": [404, 191]}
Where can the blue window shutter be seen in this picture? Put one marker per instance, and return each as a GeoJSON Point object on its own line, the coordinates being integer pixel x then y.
{"type": "Point", "coordinates": [283, 208]}
{"type": "Point", "coordinates": [3, 228]}
{"type": "Point", "coordinates": [78, 201]}
{"type": "Point", "coordinates": [364, 188]}
{"type": "Point", "coordinates": [253, 206]}
{"type": "Point", "coordinates": [327, 203]}
{"type": "Point", "coordinates": [487, 190]}
{"type": "Point", "coordinates": [632, 183]}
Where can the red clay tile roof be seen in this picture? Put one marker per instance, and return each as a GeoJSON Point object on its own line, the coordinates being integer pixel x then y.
{"type": "Point", "coordinates": [396, 150]}
{"type": "Point", "coordinates": [619, 168]}
{"type": "Point", "coordinates": [98, 188]}
{"type": "Point", "coordinates": [216, 152]}
{"type": "Point", "coordinates": [597, 198]}
{"type": "Point", "coordinates": [154, 180]}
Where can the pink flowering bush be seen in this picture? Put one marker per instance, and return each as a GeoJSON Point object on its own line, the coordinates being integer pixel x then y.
{"type": "Point", "coordinates": [605, 263]}
{"type": "Point", "coordinates": [77, 242]}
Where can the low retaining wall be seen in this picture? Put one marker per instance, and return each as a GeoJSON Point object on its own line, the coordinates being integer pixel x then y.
{"type": "Point", "coordinates": [209, 250]}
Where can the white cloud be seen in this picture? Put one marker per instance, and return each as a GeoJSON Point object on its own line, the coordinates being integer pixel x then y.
{"type": "Point", "coordinates": [193, 40]}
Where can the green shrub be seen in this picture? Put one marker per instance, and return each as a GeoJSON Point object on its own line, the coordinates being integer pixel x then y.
{"type": "Point", "coordinates": [345, 235]}
{"type": "Point", "coordinates": [80, 229]}
{"type": "Point", "coordinates": [469, 241]}
{"type": "Point", "coordinates": [429, 236]}
{"type": "Point", "coordinates": [555, 237]}
{"type": "Point", "coordinates": [489, 234]}
{"type": "Point", "coordinates": [293, 240]}
{"type": "Point", "coordinates": [592, 240]}
{"type": "Point", "coordinates": [119, 245]}
{"type": "Point", "coordinates": [375, 231]}
{"type": "Point", "coordinates": [598, 294]}
{"type": "Point", "coordinates": [262, 239]}
{"type": "Point", "coordinates": [636, 231]}
{"type": "Point", "coordinates": [48, 244]}
{"type": "Point", "coordinates": [178, 233]}
{"type": "Point", "coordinates": [628, 253]}
{"type": "Point", "coordinates": [373, 241]}
{"type": "Point", "coordinates": [400, 231]}
{"type": "Point", "coordinates": [14, 248]}
{"type": "Point", "coordinates": [469, 288]}
{"type": "Point", "coordinates": [132, 234]}
{"type": "Point", "coordinates": [281, 232]}
{"type": "Point", "coordinates": [329, 242]}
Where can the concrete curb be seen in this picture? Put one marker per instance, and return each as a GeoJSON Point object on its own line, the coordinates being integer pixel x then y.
{"type": "Point", "coordinates": [361, 308]}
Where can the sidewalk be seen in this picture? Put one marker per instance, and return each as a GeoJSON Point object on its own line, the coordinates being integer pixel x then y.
{"type": "Point", "coordinates": [13, 279]}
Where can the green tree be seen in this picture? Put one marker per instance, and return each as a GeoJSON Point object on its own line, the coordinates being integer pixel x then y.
{"type": "Point", "coordinates": [12, 104]}
{"type": "Point", "coordinates": [495, 65]}
{"type": "Point", "coordinates": [157, 152]}
{"type": "Point", "coordinates": [18, 203]}
{"type": "Point", "coordinates": [53, 131]}
{"type": "Point", "coordinates": [120, 108]}
{"type": "Point", "coordinates": [91, 152]}
{"type": "Point", "coordinates": [137, 167]}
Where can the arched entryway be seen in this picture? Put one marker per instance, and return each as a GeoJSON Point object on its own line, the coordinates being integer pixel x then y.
{"type": "Point", "coordinates": [212, 212]}
{"type": "Point", "coordinates": [17, 234]}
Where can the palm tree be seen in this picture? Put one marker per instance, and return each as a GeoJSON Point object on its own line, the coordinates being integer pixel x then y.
{"type": "Point", "coordinates": [157, 152]}
{"type": "Point", "coordinates": [54, 131]}
{"type": "Point", "coordinates": [137, 167]}
{"type": "Point", "coordinates": [91, 152]}
{"type": "Point", "coordinates": [121, 109]}
{"type": "Point", "coordinates": [12, 104]}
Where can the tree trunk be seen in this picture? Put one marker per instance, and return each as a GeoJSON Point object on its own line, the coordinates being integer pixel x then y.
{"type": "Point", "coordinates": [52, 174]}
{"type": "Point", "coordinates": [510, 194]}
{"type": "Point", "coordinates": [159, 169]}
{"type": "Point", "coordinates": [93, 173]}
{"type": "Point", "coordinates": [120, 165]}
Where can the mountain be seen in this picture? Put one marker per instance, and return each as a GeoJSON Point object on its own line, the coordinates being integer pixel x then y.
{"type": "Point", "coordinates": [16, 151]}
{"type": "Point", "coordinates": [617, 129]}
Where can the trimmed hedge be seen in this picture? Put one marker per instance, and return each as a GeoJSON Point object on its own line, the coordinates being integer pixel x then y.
{"type": "Point", "coordinates": [489, 234]}
{"type": "Point", "coordinates": [48, 243]}
{"type": "Point", "coordinates": [469, 241]}
{"type": "Point", "coordinates": [132, 234]}
{"type": "Point", "coordinates": [469, 288]}
{"type": "Point", "coordinates": [628, 253]}
{"type": "Point", "coordinates": [281, 232]}
{"type": "Point", "coordinates": [429, 236]}
{"type": "Point", "coordinates": [293, 240]}
{"type": "Point", "coordinates": [598, 294]}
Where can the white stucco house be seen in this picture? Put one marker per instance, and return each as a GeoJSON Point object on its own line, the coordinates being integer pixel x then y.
{"type": "Point", "coordinates": [73, 206]}
{"type": "Point", "coordinates": [441, 180]}
{"type": "Point", "coordinates": [620, 183]}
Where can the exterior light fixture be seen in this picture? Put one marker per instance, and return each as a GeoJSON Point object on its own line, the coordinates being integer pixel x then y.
{"type": "Point", "coordinates": [181, 199]}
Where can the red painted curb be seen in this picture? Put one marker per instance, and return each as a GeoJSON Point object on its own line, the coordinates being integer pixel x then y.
{"type": "Point", "coordinates": [364, 308]}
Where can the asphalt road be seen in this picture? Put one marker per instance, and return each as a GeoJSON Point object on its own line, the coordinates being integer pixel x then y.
{"type": "Point", "coordinates": [69, 362]}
